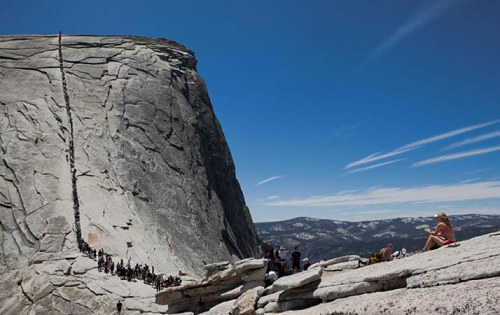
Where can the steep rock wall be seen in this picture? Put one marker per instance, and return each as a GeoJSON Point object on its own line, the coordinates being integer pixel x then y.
{"type": "Point", "coordinates": [152, 165]}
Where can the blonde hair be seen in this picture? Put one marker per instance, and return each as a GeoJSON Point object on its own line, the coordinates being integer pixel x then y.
{"type": "Point", "coordinates": [443, 218]}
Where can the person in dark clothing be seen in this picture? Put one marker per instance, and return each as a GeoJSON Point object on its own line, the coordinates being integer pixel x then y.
{"type": "Point", "coordinates": [129, 274]}
{"type": "Point", "coordinates": [296, 259]}
{"type": "Point", "coordinates": [119, 307]}
{"type": "Point", "coordinates": [99, 264]}
{"type": "Point", "coordinates": [158, 283]}
{"type": "Point", "coordinates": [112, 268]}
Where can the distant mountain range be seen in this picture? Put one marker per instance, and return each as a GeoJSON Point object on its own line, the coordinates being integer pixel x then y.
{"type": "Point", "coordinates": [321, 239]}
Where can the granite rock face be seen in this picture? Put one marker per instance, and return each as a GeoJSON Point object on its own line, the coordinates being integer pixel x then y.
{"type": "Point", "coordinates": [154, 175]}
{"type": "Point", "coordinates": [449, 280]}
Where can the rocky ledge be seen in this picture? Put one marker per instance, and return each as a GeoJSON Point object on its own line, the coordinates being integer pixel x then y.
{"type": "Point", "coordinates": [450, 280]}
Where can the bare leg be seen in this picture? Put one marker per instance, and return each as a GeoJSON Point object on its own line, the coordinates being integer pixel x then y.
{"type": "Point", "coordinates": [431, 241]}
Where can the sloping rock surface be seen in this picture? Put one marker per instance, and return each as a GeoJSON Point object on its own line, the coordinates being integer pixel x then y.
{"type": "Point", "coordinates": [155, 179]}
{"type": "Point", "coordinates": [450, 280]}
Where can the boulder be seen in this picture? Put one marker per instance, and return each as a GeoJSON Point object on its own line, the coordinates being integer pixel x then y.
{"type": "Point", "coordinates": [246, 303]}
{"type": "Point", "coordinates": [83, 264]}
{"type": "Point", "coordinates": [268, 298]}
{"type": "Point", "coordinates": [224, 308]}
{"type": "Point", "coordinates": [254, 275]}
{"type": "Point", "coordinates": [295, 280]}
{"type": "Point", "coordinates": [472, 297]}
{"type": "Point", "coordinates": [272, 307]}
{"type": "Point", "coordinates": [353, 264]}
{"type": "Point", "coordinates": [334, 261]}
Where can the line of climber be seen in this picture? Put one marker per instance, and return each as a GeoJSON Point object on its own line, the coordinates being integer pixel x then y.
{"type": "Point", "coordinates": [125, 271]}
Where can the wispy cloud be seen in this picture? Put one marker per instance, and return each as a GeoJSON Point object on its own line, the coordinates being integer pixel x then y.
{"type": "Point", "coordinates": [273, 197]}
{"type": "Point", "coordinates": [470, 180]}
{"type": "Point", "coordinates": [413, 24]}
{"type": "Point", "coordinates": [474, 140]}
{"type": "Point", "coordinates": [474, 172]}
{"type": "Point", "coordinates": [268, 180]}
{"type": "Point", "coordinates": [417, 144]}
{"type": "Point", "coordinates": [386, 196]}
{"type": "Point", "coordinates": [455, 156]}
{"type": "Point", "coordinates": [362, 169]}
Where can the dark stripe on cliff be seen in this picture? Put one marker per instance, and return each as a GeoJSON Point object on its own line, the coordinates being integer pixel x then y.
{"type": "Point", "coordinates": [76, 203]}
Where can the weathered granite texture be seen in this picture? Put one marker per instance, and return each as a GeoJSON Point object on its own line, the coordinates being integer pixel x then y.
{"type": "Point", "coordinates": [223, 282]}
{"type": "Point", "coordinates": [153, 167]}
{"type": "Point", "coordinates": [450, 280]}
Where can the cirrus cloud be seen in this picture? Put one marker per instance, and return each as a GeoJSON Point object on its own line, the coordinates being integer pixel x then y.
{"type": "Point", "coordinates": [268, 180]}
{"type": "Point", "coordinates": [394, 195]}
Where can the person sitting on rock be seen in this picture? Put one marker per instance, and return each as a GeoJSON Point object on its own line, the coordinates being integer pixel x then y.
{"type": "Point", "coordinates": [177, 281]}
{"type": "Point", "coordinates": [306, 263]}
{"type": "Point", "coordinates": [399, 254]}
{"type": "Point", "coordinates": [386, 253]}
{"type": "Point", "coordinates": [443, 235]}
{"type": "Point", "coordinates": [170, 280]}
{"type": "Point", "coordinates": [270, 277]}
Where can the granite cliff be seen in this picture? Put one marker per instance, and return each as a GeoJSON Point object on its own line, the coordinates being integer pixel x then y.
{"type": "Point", "coordinates": [111, 139]}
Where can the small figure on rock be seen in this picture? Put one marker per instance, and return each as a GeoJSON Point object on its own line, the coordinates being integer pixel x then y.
{"type": "Point", "coordinates": [296, 259]}
{"type": "Point", "coordinates": [307, 264]}
{"type": "Point", "coordinates": [119, 307]}
{"type": "Point", "coordinates": [270, 277]}
{"type": "Point", "coordinates": [158, 283]}
{"type": "Point", "coordinates": [386, 253]}
{"type": "Point", "coordinates": [443, 235]}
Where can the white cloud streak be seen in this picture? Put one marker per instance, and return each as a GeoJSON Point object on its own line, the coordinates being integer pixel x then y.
{"type": "Point", "coordinates": [268, 180]}
{"type": "Point", "coordinates": [472, 140]}
{"type": "Point", "coordinates": [362, 169]}
{"type": "Point", "coordinates": [417, 144]}
{"type": "Point", "coordinates": [413, 24]}
{"type": "Point", "coordinates": [386, 196]}
{"type": "Point", "coordinates": [474, 172]}
{"type": "Point", "coordinates": [455, 156]}
{"type": "Point", "coordinates": [273, 197]}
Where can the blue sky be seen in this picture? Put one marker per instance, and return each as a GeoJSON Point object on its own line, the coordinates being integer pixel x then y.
{"type": "Point", "coordinates": [307, 90]}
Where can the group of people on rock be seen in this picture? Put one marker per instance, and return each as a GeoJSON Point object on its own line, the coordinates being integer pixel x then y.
{"type": "Point", "coordinates": [125, 271]}
{"type": "Point", "coordinates": [278, 263]}
{"type": "Point", "coordinates": [443, 235]}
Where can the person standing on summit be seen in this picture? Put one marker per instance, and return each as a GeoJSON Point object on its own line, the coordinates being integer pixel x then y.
{"type": "Point", "coordinates": [296, 260]}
